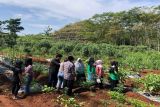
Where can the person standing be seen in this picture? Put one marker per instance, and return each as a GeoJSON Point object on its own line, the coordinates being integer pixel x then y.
{"type": "Point", "coordinates": [69, 74]}
{"type": "Point", "coordinates": [91, 69]}
{"type": "Point", "coordinates": [28, 74]}
{"type": "Point", "coordinates": [79, 69]}
{"type": "Point", "coordinates": [61, 76]}
{"type": "Point", "coordinates": [113, 74]}
{"type": "Point", "coordinates": [17, 71]}
{"type": "Point", "coordinates": [99, 73]}
{"type": "Point", "coordinates": [53, 70]}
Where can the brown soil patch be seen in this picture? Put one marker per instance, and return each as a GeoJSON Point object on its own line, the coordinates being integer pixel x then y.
{"type": "Point", "coordinates": [146, 72]}
{"type": "Point", "coordinates": [42, 79]}
{"type": "Point", "coordinates": [5, 101]}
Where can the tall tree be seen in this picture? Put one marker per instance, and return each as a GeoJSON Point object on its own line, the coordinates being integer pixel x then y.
{"type": "Point", "coordinates": [13, 26]}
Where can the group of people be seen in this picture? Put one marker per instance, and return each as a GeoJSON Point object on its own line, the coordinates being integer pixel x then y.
{"type": "Point", "coordinates": [18, 75]}
{"type": "Point", "coordinates": [64, 74]}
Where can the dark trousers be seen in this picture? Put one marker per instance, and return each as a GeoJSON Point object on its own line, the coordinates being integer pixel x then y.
{"type": "Point", "coordinates": [28, 82]}
{"type": "Point", "coordinates": [69, 85]}
{"type": "Point", "coordinates": [52, 79]}
{"type": "Point", "coordinates": [81, 77]}
{"type": "Point", "coordinates": [113, 83]}
{"type": "Point", "coordinates": [15, 87]}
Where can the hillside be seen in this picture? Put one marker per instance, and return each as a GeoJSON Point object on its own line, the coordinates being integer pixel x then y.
{"type": "Point", "coordinates": [137, 26]}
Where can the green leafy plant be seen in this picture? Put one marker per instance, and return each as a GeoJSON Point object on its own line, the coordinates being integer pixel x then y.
{"type": "Point", "coordinates": [47, 89]}
{"type": "Point", "coordinates": [151, 82]}
{"type": "Point", "coordinates": [117, 96]}
{"type": "Point", "coordinates": [40, 68]}
{"type": "Point", "coordinates": [86, 84]}
{"type": "Point", "coordinates": [138, 103]}
{"type": "Point", "coordinates": [68, 102]}
{"type": "Point", "coordinates": [119, 88]}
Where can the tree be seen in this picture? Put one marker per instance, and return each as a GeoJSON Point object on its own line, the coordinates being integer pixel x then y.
{"type": "Point", "coordinates": [2, 34]}
{"type": "Point", "coordinates": [13, 26]}
{"type": "Point", "coordinates": [48, 30]}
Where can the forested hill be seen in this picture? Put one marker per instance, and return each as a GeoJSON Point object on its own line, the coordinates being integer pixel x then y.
{"type": "Point", "coordinates": [138, 26]}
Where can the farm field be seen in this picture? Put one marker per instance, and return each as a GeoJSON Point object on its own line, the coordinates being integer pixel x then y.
{"type": "Point", "coordinates": [88, 98]}
{"type": "Point", "coordinates": [130, 37]}
{"type": "Point", "coordinates": [131, 63]}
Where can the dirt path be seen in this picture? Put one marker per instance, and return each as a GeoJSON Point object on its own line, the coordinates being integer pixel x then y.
{"type": "Point", "coordinates": [40, 100]}
{"type": "Point", "coordinates": [5, 101]}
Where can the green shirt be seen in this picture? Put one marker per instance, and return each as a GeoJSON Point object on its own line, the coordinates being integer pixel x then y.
{"type": "Point", "coordinates": [91, 69]}
{"type": "Point", "coordinates": [113, 74]}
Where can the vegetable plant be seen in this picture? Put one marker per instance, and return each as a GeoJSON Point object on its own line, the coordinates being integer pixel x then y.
{"type": "Point", "coordinates": [47, 89]}
{"type": "Point", "coordinates": [151, 82]}
{"type": "Point", "coordinates": [68, 102]}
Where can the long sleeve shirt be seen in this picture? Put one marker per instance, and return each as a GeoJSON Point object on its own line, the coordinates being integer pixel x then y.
{"type": "Point", "coordinates": [54, 66]}
{"type": "Point", "coordinates": [69, 70]}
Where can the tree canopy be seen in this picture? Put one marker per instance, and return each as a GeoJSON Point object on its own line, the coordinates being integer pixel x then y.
{"type": "Point", "coordinates": [138, 26]}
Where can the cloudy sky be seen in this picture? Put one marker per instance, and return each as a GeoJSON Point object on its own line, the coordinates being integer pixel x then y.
{"type": "Point", "coordinates": [36, 15]}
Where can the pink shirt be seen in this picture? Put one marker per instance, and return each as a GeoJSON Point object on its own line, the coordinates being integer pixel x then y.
{"type": "Point", "coordinates": [99, 70]}
{"type": "Point", "coordinates": [29, 70]}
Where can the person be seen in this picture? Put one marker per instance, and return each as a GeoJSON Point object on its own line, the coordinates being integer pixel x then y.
{"type": "Point", "coordinates": [91, 69]}
{"type": "Point", "coordinates": [79, 69]}
{"type": "Point", "coordinates": [53, 70]}
{"type": "Point", "coordinates": [113, 74]}
{"type": "Point", "coordinates": [69, 75]}
{"type": "Point", "coordinates": [17, 71]}
{"type": "Point", "coordinates": [99, 73]}
{"type": "Point", "coordinates": [28, 74]}
{"type": "Point", "coordinates": [60, 76]}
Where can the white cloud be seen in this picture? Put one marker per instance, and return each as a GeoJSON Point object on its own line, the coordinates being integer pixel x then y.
{"type": "Point", "coordinates": [66, 11]}
{"type": "Point", "coordinates": [40, 26]}
{"type": "Point", "coordinates": [22, 16]}
{"type": "Point", "coordinates": [78, 9]}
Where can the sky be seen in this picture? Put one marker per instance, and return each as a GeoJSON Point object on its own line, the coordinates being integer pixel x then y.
{"type": "Point", "coordinates": [37, 15]}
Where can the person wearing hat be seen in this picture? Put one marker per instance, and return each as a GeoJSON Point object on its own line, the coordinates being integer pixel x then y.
{"type": "Point", "coordinates": [79, 69]}
{"type": "Point", "coordinates": [99, 73]}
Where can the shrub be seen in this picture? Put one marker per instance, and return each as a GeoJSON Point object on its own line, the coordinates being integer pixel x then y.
{"type": "Point", "coordinates": [68, 48]}
{"type": "Point", "coordinates": [138, 103]}
{"type": "Point", "coordinates": [151, 82]}
{"type": "Point", "coordinates": [117, 96]}
{"type": "Point", "coordinates": [85, 51]}
{"type": "Point", "coordinates": [44, 44]}
{"type": "Point", "coordinates": [40, 68]}
{"type": "Point", "coordinates": [87, 84]}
